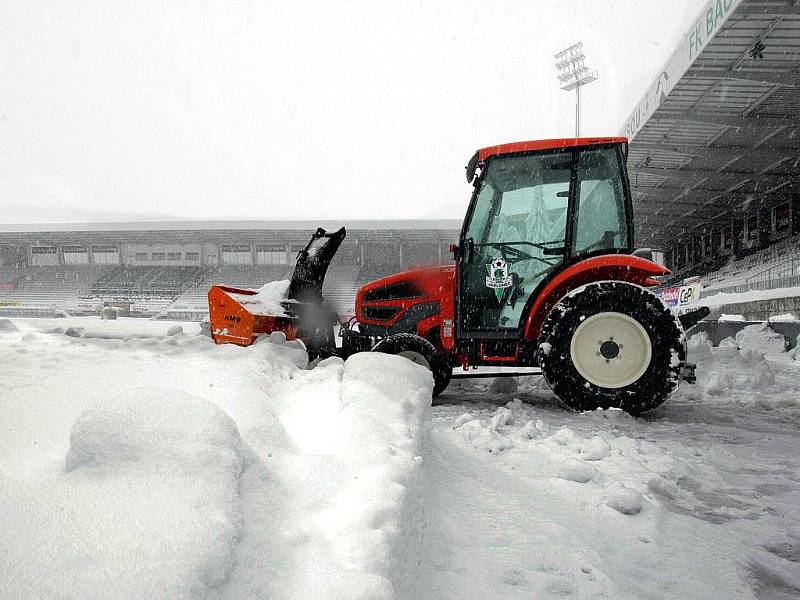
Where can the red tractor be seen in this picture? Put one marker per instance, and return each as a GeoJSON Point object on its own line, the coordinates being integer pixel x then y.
{"type": "Point", "coordinates": [545, 275]}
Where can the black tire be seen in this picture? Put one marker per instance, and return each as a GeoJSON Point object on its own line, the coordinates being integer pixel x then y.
{"type": "Point", "coordinates": [411, 343]}
{"type": "Point", "coordinates": [606, 300]}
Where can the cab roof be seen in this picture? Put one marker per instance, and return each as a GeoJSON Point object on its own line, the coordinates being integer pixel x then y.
{"type": "Point", "coordinates": [553, 144]}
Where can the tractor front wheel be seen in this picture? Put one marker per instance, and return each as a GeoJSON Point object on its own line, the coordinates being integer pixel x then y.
{"type": "Point", "coordinates": [419, 351]}
{"type": "Point", "coordinates": [612, 344]}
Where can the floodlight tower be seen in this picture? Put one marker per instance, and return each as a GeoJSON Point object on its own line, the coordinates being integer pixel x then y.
{"type": "Point", "coordinates": [573, 75]}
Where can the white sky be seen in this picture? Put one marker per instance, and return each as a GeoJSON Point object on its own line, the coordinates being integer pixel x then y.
{"type": "Point", "coordinates": [142, 110]}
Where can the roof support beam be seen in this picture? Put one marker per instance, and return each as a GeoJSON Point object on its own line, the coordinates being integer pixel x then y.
{"type": "Point", "coordinates": [783, 79]}
{"type": "Point", "coordinates": [662, 216]}
{"type": "Point", "coordinates": [700, 151]}
{"type": "Point", "coordinates": [768, 11]}
{"type": "Point", "coordinates": [672, 191]}
{"type": "Point", "coordinates": [732, 121]}
{"type": "Point", "coordinates": [689, 174]}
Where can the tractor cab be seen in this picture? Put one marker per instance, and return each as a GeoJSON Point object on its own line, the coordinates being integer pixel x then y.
{"type": "Point", "coordinates": [537, 208]}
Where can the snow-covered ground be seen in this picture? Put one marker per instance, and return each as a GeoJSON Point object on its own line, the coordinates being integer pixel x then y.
{"type": "Point", "coordinates": [142, 461]}
{"type": "Point", "coordinates": [699, 499]}
{"type": "Point", "coordinates": [751, 296]}
{"type": "Point", "coordinates": [168, 467]}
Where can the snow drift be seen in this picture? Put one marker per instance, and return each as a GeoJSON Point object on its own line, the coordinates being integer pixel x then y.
{"type": "Point", "coordinates": [168, 467]}
{"type": "Point", "coordinates": [147, 506]}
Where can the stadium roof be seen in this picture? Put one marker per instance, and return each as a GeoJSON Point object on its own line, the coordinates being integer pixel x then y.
{"type": "Point", "coordinates": [232, 225]}
{"type": "Point", "coordinates": [222, 231]}
{"type": "Point", "coordinates": [718, 132]}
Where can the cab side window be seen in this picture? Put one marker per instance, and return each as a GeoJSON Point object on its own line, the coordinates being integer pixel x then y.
{"type": "Point", "coordinates": [600, 211]}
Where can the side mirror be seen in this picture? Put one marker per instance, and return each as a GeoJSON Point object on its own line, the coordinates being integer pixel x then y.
{"type": "Point", "coordinates": [471, 167]}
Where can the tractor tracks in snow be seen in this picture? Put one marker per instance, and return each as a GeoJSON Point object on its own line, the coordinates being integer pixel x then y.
{"type": "Point", "coordinates": [502, 520]}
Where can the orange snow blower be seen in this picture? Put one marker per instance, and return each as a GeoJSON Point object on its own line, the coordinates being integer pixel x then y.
{"type": "Point", "coordinates": [240, 315]}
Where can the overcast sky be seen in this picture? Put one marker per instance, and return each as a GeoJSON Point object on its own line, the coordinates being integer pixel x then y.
{"type": "Point", "coordinates": [185, 109]}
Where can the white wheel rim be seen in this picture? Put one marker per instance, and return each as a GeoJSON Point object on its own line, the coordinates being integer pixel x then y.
{"type": "Point", "coordinates": [611, 350]}
{"type": "Point", "coordinates": [416, 358]}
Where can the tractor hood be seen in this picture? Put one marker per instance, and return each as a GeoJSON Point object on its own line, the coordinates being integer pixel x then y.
{"type": "Point", "coordinates": [385, 301]}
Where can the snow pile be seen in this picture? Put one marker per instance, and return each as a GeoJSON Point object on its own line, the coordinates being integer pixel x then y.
{"type": "Point", "coordinates": [726, 367]}
{"type": "Point", "coordinates": [760, 338]}
{"type": "Point", "coordinates": [175, 330]}
{"type": "Point", "coordinates": [784, 318]}
{"type": "Point", "coordinates": [147, 506]}
{"type": "Point", "coordinates": [268, 299]}
{"type": "Point", "coordinates": [149, 426]}
{"type": "Point", "coordinates": [7, 326]}
{"type": "Point", "coordinates": [373, 524]}
{"type": "Point", "coordinates": [243, 475]}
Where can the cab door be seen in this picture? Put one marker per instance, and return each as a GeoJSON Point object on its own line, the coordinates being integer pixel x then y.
{"type": "Point", "coordinates": [515, 236]}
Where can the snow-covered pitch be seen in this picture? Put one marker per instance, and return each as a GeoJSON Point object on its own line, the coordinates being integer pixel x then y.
{"type": "Point", "coordinates": [140, 460]}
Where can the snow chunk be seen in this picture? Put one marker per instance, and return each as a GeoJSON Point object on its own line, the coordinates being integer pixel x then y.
{"type": "Point", "coordinates": [625, 500]}
{"type": "Point", "coordinates": [785, 318]}
{"type": "Point", "coordinates": [174, 330]}
{"type": "Point", "coordinates": [736, 318]}
{"type": "Point", "coordinates": [6, 326]}
{"type": "Point", "coordinates": [484, 437]}
{"type": "Point", "coordinates": [577, 470]}
{"type": "Point", "coordinates": [596, 449]}
{"type": "Point", "coordinates": [564, 436]}
{"type": "Point", "coordinates": [663, 487]}
{"type": "Point", "coordinates": [462, 419]}
{"type": "Point", "coordinates": [533, 428]}
{"type": "Point", "coordinates": [501, 418]}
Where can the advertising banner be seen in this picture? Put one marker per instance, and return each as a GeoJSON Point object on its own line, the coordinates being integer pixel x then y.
{"type": "Point", "coordinates": [681, 296]}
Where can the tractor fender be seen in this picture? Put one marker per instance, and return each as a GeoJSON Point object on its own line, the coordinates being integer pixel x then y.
{"type": "Point", "coordinates": [609, 267]}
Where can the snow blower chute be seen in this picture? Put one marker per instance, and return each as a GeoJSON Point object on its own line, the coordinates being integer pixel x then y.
{"type": "Point", "coordinates": [239, 316]}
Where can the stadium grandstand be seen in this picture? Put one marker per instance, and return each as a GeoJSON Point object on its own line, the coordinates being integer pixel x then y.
{"type": "Point", "coordinates": [165, 269]}
{"type": "Point", "coordinates": [715, 150]}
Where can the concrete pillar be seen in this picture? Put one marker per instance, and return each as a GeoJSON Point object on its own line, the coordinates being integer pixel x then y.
{"type": "Point", "coordinates": [738, 233]}
{"type": "Point", "coordinates": [764, 226]}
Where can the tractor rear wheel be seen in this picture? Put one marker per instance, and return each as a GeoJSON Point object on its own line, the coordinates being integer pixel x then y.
{"type": "Point", "coordinates": [612, 344]}
{"type": "Point", "coordinates": [420, 351]}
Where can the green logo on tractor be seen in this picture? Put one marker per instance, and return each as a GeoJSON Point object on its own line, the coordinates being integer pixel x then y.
{"type": "Point", "coordinates": [498, 278]}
